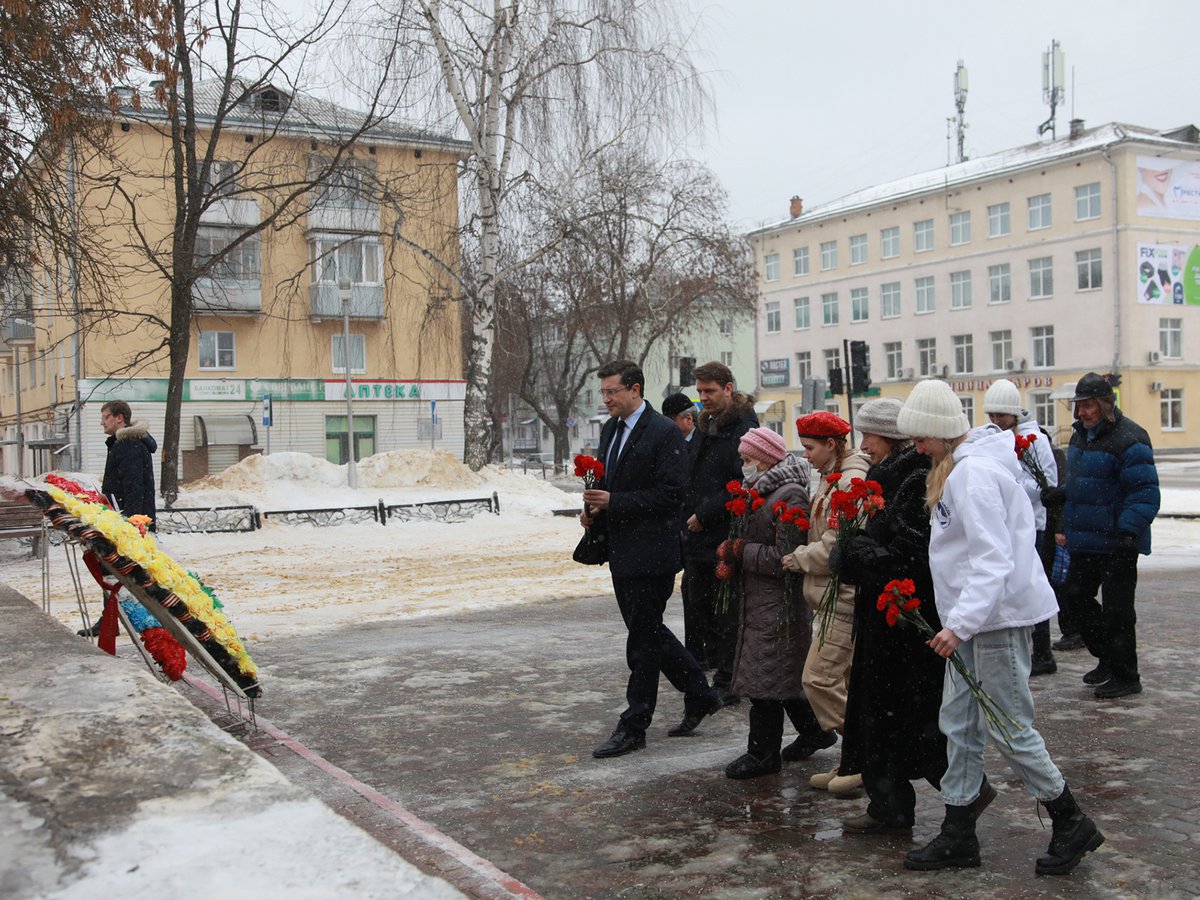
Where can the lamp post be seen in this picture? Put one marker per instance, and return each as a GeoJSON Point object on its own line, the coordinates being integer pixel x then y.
{"type": "Point", "coordinates": [344, 292]}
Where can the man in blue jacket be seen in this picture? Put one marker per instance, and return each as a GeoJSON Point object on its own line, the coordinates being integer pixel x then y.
{"type": "Point", "coordinates": [637, 504]}
{"type": "Point", "coordinates": [1111, 498]}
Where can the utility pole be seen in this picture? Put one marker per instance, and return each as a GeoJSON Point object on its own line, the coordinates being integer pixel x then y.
{"type": "Point", "coordinates": [344, 286]}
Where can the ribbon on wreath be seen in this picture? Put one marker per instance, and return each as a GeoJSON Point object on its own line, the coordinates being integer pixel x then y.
{"type": "Point", "coordinates": [108, 619]}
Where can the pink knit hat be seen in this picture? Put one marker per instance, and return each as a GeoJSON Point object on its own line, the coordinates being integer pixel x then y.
{"type": "Point", "coordinates": [762, 444]}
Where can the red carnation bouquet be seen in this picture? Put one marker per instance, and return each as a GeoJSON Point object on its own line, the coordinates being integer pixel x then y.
{"type": "Point", "coordinates": [899, 603]}
{"type": "Point", "coordinates": [850, 511]}
{"type": "Point", "coordinates": [791, 530]}
{"type": "Point", "coordinates": [1029, 459]}
{"type": "Point", "coordinates": [590, 469]}
{"type": "Point", "coordinates": [743, 501]}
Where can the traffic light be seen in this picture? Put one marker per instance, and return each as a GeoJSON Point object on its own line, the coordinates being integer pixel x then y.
{"type": "Point", "coordinates": [686, 366]}
{"type": "Point", "coordinates": [860, 366]}
{"type": "Point", "coordinates": [1113, 378]}
{"type": "Point", "coordinates": [836, 386]}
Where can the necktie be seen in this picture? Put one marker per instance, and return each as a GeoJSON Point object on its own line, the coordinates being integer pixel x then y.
{"type": "Point", "coordinates": [614, 449]}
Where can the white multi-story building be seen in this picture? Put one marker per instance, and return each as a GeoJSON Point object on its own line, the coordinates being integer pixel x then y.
{"type": "Point", "coordinates": [1036, 264]}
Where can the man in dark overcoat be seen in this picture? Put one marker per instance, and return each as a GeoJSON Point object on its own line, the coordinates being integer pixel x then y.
{"type": "Point", "coordinates": [637, 504]}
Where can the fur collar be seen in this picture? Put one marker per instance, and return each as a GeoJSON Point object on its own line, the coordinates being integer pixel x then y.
{"type": "Point", "coordinates": [134, 431]}
{"type": "Point", "coordinates": [742, 406]}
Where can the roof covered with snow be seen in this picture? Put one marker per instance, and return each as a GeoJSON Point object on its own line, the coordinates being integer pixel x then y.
{"type": "Point", "coordinates": [268, 107]}
{"type": "Point", "coordinates": [1014, 159]}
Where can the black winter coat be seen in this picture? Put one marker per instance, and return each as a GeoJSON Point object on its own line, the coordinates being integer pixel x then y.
{"type": "Point", "coordinates": [895, 691]}
{"type": "Point", "coordinates": [715, 462]}
{"type": "Point", "coordinates": [129, 471]}
{"type": "Point", "coordinates": [646, 484]}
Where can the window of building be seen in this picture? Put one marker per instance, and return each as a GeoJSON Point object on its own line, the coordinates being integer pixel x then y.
{"type": "Point", "coordinates": [858, 249]}
{"type": "Point", "coordinates": [889, 300]}
{"type": "Point", "coordinates": [771, 267]}
{"type": "Point", "coordinates": [828, 255]}
{"type": "Point", "coordinates": [242, 263]}
{"type": "Point", "coordinates": [337, 442]}
{"type": "Point", "coordinates": [1087, 201]}
{"type": "Point", "coordinates": [968, 405]}
{"type": "Point", "coordinates": [926, 356]}
{"type": "Point", "coordinates": [893, 358]}
{"type": "Point", "coordinates": [960, 290]}
{"type": "Point", "coordinates": [1041, 277]}
{"type": "Point", "coordinates": [889, 242]}
{"type": "Point", "coordinates": [802, 312]}
{"type": "Point", "coordinates": [803, 365]}
{"type": "Point", "coordinates": [727, 358]}
{"type": "Point", "coordinates": [1001, 349]}
{"type": "Point", "coordinates": [345, 184]}
{"type": "Point", "coordinates": [726, 327]}
{"type": "Point", "coordinates": [829, 308]}
{"type": "Point", "coordinates": [1039, 212]}
{"type": "Point", "coordinates": [1043, 346]}
{"type": "Point", "coordinates": [772, 308]}
{"type": "Point", "coordinates": [1000, 283]}
{"type": "Point", "coordinates": [358, 355]}
{"type": "Point", "coordinates": [964, 354]}
{"type": "Point", "coordinates": [1170, 405]}
{"type": "Point", "coordinates": [925, 299]}
{"type": "Point", "coordinates": [859, 305]}
{"type": "Point", "coordinates": [833, 359]}
{"type": "Point", "coordinates": [923, 235]}
{"type": "Point", "coordinates": [334, 258]}
{"type": "Point", "coordinates": [1170, 338]}
{"type": "Point", "coordinates": [216, 350]}
{"type": "Point", "coordinates": [800, 261]}
{"type": "Point", "coordinates": [1044, 410]}
{"type": "Point", "coordinates": [222, 178]}
{"type": "Point", "coordinates": [960, 228]}
{"type": "Point", "coordinates": [1087, 266]}
{"type": "Point", "coordinates": [999, 224]}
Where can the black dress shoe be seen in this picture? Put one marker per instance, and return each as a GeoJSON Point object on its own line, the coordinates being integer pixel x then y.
{"type": "Point", "coordinates": [1119, 687]}
{"type": "Point", "coordinates": [1068, 642]}
{"type": "Point", "coordinates": [1098, 675]}
{"type": "Point", "coordinates": [806, 745]}
{"type": "Point", "coordinates": [620, 743]}
{"type": "Point", "coordinates": [693, 717]}
{"type": "Point", "coordinates": [748, 766]}
{"type": "Point", "coordinates": [94, 631]}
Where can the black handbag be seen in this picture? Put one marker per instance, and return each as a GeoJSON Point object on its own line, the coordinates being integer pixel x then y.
{"type": "Point", "coordinates": [592, 549]}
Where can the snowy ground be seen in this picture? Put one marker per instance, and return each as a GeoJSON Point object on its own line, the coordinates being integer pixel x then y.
{"type": "Point", "coordinates": [284, 581]}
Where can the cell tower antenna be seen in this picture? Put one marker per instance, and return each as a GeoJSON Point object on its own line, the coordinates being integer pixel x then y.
{"type": "Point", "coordinates": [1053, 84]}
{"type": "Point", "coordinates": [960, 103]}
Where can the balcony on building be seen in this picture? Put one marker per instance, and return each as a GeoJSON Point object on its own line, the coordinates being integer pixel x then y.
{"type": "Point", "coordinates": [366, 301]}
{"type": "Point", "coordinates": [15, 331]}
{"type": "Point", "coordinates": [231, 211]}
{"type": "Point", "coordinates": [229, 296]}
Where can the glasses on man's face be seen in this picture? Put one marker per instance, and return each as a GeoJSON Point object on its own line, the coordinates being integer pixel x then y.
{"type": "Point", "coordinates": [612, 392]}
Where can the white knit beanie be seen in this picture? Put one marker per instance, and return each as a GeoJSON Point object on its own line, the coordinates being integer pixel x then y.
{"type": "Point", "coordinates": [933, 410]}
{"type": "Point", "coordinates": [879, 417]}
{"type": "Point", "coordinates": [1002, 397]}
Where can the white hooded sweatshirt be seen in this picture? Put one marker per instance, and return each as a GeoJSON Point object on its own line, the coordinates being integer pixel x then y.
{"type": "Point", "coordinates": [1044, 454]}
{"type": "Point", "coordinates": [986, 573]}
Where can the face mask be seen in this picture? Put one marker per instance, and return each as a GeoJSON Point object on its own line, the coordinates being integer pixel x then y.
{"type": "Point", "coordinates": [749, 472]}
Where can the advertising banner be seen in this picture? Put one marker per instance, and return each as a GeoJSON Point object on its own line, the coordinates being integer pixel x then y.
{"type": "Point", "coordinates": [1168, 274]}
{"type": "Point", "coordinates": [774, 372]}
{"type": "Point", "coordinates": [1168, 188]}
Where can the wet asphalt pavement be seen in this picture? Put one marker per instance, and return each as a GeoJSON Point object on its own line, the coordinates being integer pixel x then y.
{"type": "Point", "coordinates": [483, 725]}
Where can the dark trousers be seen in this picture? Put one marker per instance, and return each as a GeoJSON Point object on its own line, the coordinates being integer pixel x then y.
{"type": "Point", "coordinates": [1109, 627]}
{"type": "Point", "coordinates": [766, 724]}
{"type": "Point", "coordinates": [711, 636]}
{"type": "Point", "coordinates": [651, 648]}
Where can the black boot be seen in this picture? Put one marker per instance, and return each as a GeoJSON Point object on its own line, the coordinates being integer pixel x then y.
{"type": "Point", "coordinates": [1042, 658]}
{"type": "Point", "coordinates": [955, 846]}
{"type": "Point", "coordinates": [1073, 835]}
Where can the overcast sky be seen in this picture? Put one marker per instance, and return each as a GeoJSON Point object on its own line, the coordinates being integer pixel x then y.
{"type": "Point", "coordinates": [820, 99]}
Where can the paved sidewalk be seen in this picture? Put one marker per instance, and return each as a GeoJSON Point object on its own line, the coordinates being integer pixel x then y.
{"type": "Point", "coordinates": [483, 725]}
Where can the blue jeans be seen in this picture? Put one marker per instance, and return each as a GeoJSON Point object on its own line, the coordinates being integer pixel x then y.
{"type": "Point", "coordinates": [1000, 661]}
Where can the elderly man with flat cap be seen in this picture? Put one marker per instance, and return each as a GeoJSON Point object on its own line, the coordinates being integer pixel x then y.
{"type": "Point", "coordinates": [1111, 497]}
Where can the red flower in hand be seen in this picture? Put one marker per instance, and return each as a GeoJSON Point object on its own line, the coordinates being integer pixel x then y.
{"type": "Point", "coordinates": [724, 571]}
{"type": "Point", "coordinates": [735, 488]}
{"type": "Point", "coordinates": [833, 477]}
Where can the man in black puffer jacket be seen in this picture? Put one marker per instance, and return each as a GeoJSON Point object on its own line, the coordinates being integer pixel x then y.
{"type": "Point", "coordinates": [727, 415]}
{"type": "Point", "coordinates": [129, 469]}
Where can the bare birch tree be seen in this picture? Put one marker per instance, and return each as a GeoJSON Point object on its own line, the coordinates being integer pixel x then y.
{"type": "Point", "coordinates": [532, 84]}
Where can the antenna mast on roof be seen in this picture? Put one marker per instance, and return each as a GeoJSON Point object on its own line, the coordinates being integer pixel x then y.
{"type": "Point", "coordinates": [1053, 88]}
{"type": "Point", "coordinates": [960, 103]}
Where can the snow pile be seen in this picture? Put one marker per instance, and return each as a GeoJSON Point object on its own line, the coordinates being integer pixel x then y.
{"type": "Point", "coordinates": [410, 468]}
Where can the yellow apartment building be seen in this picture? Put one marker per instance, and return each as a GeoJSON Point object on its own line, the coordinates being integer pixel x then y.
{"type": "Point", "coordinates": [268, 329]}
{"type": "Point", "coordinates": [1036, 264]}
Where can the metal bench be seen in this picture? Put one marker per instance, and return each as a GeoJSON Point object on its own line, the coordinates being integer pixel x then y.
{"type": "Point", "coordinates": [23, 520]}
